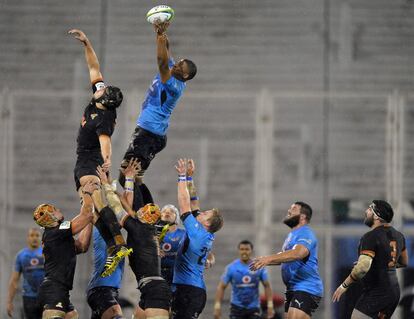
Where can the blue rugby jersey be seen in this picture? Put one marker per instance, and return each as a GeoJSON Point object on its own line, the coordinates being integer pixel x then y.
{"type": "Point", "coordinates": [100, 255]}
{"type": "Point", "coordinates": [160, 101]}
{"type": "Point", "coordinates": [30, 263]}
{"type": "Point", "coordinates": [192, 253]}
{"type": "Point", "coordinates": [302, 275]}
{"type": "Point", "coordinates": [244, 283]}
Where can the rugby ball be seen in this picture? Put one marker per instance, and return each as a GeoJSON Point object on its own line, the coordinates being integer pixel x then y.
{"type": "Point", "coordinates": [161, 13]}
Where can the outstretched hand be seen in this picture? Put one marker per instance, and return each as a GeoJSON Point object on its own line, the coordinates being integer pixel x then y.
{"type": "Point", "coordinates": [181, 166]}
{"type": "Point", "coordinates": [259, 262]}
{"type": "Point", "coordinates": [161, 27]}
{"type": "Point", "coordinates": [102, 175]}
{"type": "Point", "coordinates": [190, 167]}
{"type": "Point", "coordinates": [79, 34]}
{"type": "Point", "coordinates": [90, 187]}
{"type": "Point", "coordinates": [134, 166]}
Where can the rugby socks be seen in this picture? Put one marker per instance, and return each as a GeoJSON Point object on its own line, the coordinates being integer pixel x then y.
{"type": "Point", "coordinates": [109, 218]}
{"type": "Point", "coordinates": [105, 233]}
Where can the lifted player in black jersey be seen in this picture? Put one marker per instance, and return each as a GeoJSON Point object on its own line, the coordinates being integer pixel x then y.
{"type": "Point", "coordinates": [60, 250]}
{"type": "Point", "coordinates": [94, 148]}
{"type": "Point", "coordinates": [142, 238]}
{"type": "Point", "coordinates": [381, 251]}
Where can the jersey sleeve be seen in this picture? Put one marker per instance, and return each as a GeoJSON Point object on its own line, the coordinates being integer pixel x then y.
{"type": "Point", "coordinates": [306, 239]}
{"type": "Point", "coordinates": [264, 275]}
{"type": "Point", "coordinates": [107, 124]}
{"type": "Point", "coordinates": [171, 62]}
{"type": "Point", "coordinates": [192, 226]}
{"type": "Point", "coordinates": [367, 245]}
{"type": "Point", "coordinates": [226, 277]}
{"type": "Point", "coordinates": [18, 264]}
{"type": "Point", "coordinates": [174, 87]}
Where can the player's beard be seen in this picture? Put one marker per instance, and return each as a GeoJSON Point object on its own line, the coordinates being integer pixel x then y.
{"type": "Point", "coordinates": [292, 221]}
{"type": "Point", "coordinates": [369, 221]}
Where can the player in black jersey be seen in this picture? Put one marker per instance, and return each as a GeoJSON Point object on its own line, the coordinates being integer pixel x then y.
{"type": "Point", "coordinates": [60, 250]}
{"type": "Point", "coordinates": [381, 251]}
{"type": "Point", "coordinates": [94, 148]}
{"type": "Point", "coordinates": [142, 238]}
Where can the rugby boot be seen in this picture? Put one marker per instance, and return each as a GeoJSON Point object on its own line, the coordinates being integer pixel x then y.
{"type": "Point", "coordinates": [114, 258]}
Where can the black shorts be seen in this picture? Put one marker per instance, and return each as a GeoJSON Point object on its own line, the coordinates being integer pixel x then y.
{"type": "Point", "coordinates": [53, 295]}
{"type": "Point", "coordinates": [32, 309]}
{"type": "Point", "coordinates": [86, 164]}
{"type": "Point", "coordinates": [237, 312]}
{"type": "Point", "coordinates": [155, 294]}
{"type": "Point", "coordinates": [188, 302]}
{"type": "Point", "coordinates": [301, 300]}
{"type": "Point", "coordinates": [101, 299]}
{"type": "Point", "coordinates": [144, 145]}
{"type": "Point", "coordinates": [379, 301]}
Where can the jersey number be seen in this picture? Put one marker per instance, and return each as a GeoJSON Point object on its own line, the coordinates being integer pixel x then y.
{"type": "Point", "coordinates": [393, 254]}
{"type": "Point", "coordinates": [203, 255]}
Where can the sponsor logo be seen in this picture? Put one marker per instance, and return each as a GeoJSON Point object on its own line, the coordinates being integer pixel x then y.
{"type": "Point", "coordinates": [309, 241]}
{"type": "Point", "coordinates": [166, 247]}
{"type": "Point", "coordinates": [65, 225]}
{"type": "Point", "coordinates": [94, 115]}
{"type": "Point", "coordinates": [34, 261]}
{"type": "Point", "coordinates": [59, 305]}
{"type": "Point", "coordinates": [246, 279]}
{"type": "Point", "coordinates": [299, 303]}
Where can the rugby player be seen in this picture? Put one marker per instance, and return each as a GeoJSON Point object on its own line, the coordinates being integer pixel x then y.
{"type": "Point", "coordinates": [189, 289]}
{"type": "Point", "coordinates": [142, 238]}
{"type": "Point", "coordinates": [94, 148]}
{"type": "Point", "coordinates": [299, 260]}
{"type": "Point", "coordinates": [381, 251]}
{"type": "Point", "coordinates": [150, 135]}
{"type": "Point", "coordinates": [60, 250]}
{"type": "Point", "coordinates": [29, 262]}
{"type": "Point", "coordinates": [245, 287]}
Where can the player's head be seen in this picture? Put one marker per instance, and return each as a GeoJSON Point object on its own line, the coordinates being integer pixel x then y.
{"type": "Point", "coordinates": [184, 70]}
{"type": "Point", "coordinates": [169, 214]}
{"type": "Point", "coordinates": [245, 250]}
{"type": "Point", "coordinates": [33, 238]}
{"type": "Point", "coordinates": [149, 214]}
{"type": "Point", "coordinates": [212, 220]}
{"type": "Point", "coordinates": [110, 97]}
{"type": "Point", "coordinates": [378, 210]}
{"type": "Point", "coordinates": [47, 215]}
{"type": "Point", "coordinates": [298, 213]}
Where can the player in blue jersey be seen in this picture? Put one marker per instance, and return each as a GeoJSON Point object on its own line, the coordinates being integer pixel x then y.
{"type": "Point", "coordinates": [245, 287]}
{"type": "Point", "coordinates": [29, 263]}
{"type": "Point", "coordinates": [102, 293]}
{"type": "Point", "coordinates": [299, 260]}
{"type": "Point", "coordinates": [189, 290]}
{"type": "Point", "coordinates": [150, 135]}
{"type": "Point", "coordinates": [170, 242]}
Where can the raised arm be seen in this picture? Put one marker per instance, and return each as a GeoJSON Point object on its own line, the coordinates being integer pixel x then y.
{"type": "Point", "coordinates": [118, 205]}
{"type": "Point", "coordinates": [163, 54]}
{"type": "Point", "coordinates": [106, 151]}
{"type": "Point", "coordinates": [183, 194]}
{"type": "Point", "coordinates": [85, 215]}
{"type": "Point", "coordinates": [194, 200]}
{"type": "Point", "coordinates": [90, 55]}
{"type": "Point", "coordinates": [134, 166]}
{"type": "Point", "coordinates": [84, 240]}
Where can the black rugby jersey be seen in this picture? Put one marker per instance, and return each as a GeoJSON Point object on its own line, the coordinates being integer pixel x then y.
{"type": "Point", "coordinates": [385, 245]}
{"type": "Point", "coordinates": [60, 254]}
{"type": "Point", "coordinates": [144, 260]}
{"type": "Point", "coordinates": [95, 122]}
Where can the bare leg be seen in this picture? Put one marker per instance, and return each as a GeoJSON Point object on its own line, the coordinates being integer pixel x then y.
{"type": "Point", "coordinates": [295, 313]}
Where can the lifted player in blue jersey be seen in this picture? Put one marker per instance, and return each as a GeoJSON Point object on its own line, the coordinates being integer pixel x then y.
{"type": "Point", "coordinates": [299, 260]}
{"type": "Point", "coordinates": [29, 263]}
{"type": "Point", "coordinates": [102, 293]}
{"type": "Point", "coordinates": [189, 289]}
{"type": "Point", "coordinates": [150, 136]}
{"type": "Point", "coordinates": [245, 287]}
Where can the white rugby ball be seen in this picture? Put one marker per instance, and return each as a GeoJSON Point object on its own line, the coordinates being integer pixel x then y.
{"type": "Point", "coordinates": [161, 13]}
